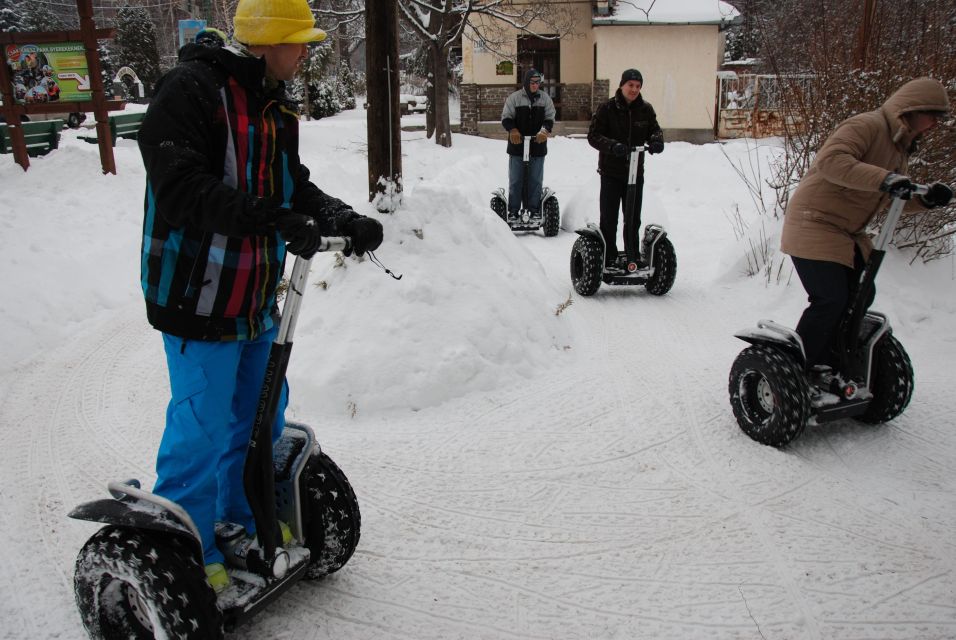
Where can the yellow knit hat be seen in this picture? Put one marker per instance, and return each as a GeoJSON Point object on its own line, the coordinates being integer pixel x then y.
{"type": "Point", "coordinates": [275, 22]}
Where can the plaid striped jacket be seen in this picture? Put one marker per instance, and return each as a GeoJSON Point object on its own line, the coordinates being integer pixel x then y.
{"type": "Point", "coordinates": [221, 157]}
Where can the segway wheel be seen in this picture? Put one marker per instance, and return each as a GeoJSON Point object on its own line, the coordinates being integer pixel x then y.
{"type": "Point", "coordinates": [330, 514]}
{"type": "Point", "coordinates": [892, 383]}
{"type": "Point", "coordinates": [587, 263]}
{"type": "Point", "coordinates": [552, 217]}
{"type": "Point", "coordinates": [129, 584]}
{"type": "Point", "coordinates": [665, 268]}
{"type": "Point", "coordinates": [769, 394]}
{"type": "Point", "coordinates": [498, 206]}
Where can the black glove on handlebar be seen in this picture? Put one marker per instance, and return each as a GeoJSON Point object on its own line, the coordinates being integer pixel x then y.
{"type": "Point", "coordinates": [300, 232]}
{"type": "Point", "coordinates": [939, 195]}
{"type": "Point", "coordinates": [620, 149]}
{"type": "Point", "coordinates": [366, 234]}
{"type": "Point", "coordinates": [897, 186]}
{"type": "Point", "coordinates": [655, 146]}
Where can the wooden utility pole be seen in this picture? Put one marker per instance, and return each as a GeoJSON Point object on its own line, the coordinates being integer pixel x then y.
{"type": "Point", "coordinates": [384, 119]}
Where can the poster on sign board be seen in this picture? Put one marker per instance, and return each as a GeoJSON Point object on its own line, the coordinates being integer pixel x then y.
{"type": "Point", "coordinates": [50, 72]}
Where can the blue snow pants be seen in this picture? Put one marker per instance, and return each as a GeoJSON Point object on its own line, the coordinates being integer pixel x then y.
{"type": "Point", "coordinates": [215, 389]}
{"type": "Point", "coordinates": [516, 183]}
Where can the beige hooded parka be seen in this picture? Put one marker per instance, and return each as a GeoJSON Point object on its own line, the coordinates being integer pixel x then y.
{"type": "Point", "coordinates": [839, 195]}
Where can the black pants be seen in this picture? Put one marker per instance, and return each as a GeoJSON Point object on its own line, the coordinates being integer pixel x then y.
{"type": "Point", "coordinates": [830, 287]}
{"type": "Point", "coordinates": [613, 199]}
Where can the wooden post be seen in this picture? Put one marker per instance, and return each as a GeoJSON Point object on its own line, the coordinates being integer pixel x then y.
{"type": "Point", "coordinates": [100, 113]}
{"type": "Point", "coordinates": [11, 113]}
{"type": "Point", "coordinates": [384, 119]}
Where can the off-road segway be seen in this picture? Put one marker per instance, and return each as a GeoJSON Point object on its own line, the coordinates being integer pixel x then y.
{"type": "Point", "coordinates": [773, 394]}
{"type": "Point", "coordinates": [656, 271]}
{"type": "Point", "coordinates": [142, 575]}
{"type": "Point", "coordinates": [547, 217]}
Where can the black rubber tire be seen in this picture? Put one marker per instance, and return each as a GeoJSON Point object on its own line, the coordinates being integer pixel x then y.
{"type": "Point", "coordinates": [552, 217]}
{"type": "Point", "coordinates": [499, 207]}
{"type": "Point", "coordinates": [330, 516]}
{"type": "Point", "coordinates": [73, 121]}
{"type": "Point", "coordinates": [769, 394]}
{"type": "Point", "coordinates": [587, 265]}
{"type": "Point", "coordinates": [665, 261]}
{"type": "Point", "coordinates": [892, 383]}
{"type": "Point", "coordinates": [129, 582]}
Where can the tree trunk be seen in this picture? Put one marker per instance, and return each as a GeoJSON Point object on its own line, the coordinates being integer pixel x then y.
{"type": "Point", "coordinates": [864, 34]}
{"type": "Point", "coordinates": [430, 95]}
{"type": "Point", "coordinates": [439, 102]}
{"type": "Point", "coordinates": [383, 117]}
{"type": "Point", "coordinates": [342, 45]}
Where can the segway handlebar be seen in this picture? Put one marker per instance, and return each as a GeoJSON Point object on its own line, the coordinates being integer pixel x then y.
{"type": "Point", "coordinates": [300, 271]}
{"type": "Point", "coordinates": [632, 165]}
{"type": "Point", "coordinates": [893, 216]}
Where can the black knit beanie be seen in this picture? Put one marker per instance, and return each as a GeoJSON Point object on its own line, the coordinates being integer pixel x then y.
{"type": "Point", "coordinates": [631, 74]}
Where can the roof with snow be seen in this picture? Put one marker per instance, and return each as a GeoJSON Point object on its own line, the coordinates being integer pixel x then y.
{"type": "Point", "coordinates": [667, 12]}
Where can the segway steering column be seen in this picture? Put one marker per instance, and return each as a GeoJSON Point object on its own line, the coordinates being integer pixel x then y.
{"type": "Point", "coordinates": [258, 478]}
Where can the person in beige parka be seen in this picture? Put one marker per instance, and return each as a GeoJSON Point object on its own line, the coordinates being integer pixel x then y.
{"type": "Point", "coordinates": [857, 170]}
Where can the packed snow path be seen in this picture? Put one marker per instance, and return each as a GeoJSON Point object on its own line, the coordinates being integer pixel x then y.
{"type": "Point", "coordinates": [612, 496]}
{"type": "Point", "coordinates": [612, 499]}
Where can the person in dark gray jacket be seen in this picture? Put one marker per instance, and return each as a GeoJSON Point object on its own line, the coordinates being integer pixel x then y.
{"type": "Point", "coordinates": [527, 112]}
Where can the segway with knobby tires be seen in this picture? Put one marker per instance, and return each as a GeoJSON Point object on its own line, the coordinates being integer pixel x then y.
{"type": "Point", "coordinates": [548, 217]}
{"type": "Point", "coordinates": [142, 575]}
{"type": "Point", "coordinates": [775, 395]}
{"type": "Point", "coordinates": [655, 268]}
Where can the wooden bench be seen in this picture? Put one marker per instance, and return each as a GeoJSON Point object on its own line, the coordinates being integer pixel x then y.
{"type": "Point", "coordinates": [413, 104]}
{"type": "Point", "coordinates": [41, 137]}
{"type": "Point", "coordinates": [122, 125]}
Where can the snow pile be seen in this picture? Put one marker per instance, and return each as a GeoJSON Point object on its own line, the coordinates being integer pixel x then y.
{"type": "Point", "coordinates": [473, 310]}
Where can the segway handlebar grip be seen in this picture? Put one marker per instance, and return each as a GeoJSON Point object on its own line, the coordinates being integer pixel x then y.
{"type": "Point", "coordinates": [335, 243]}
{"type": "Point", "coordinates": [893, 215]}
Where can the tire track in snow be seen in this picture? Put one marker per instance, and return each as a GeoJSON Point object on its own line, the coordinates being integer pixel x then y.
{"type": "Point", "coordinates": [61, 453]}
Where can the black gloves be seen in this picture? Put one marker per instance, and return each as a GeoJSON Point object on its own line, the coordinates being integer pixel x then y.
{"type": "Point", "coordinates": [939, 195]}
{"type": "Point", "coordinates": [366, 234]}
{"type": "Point", "coordinates": [655, 145]}
{"type": "Point", "coordinates": [300, 232]}
{"type": "Point", "coordinates": [897, 186]}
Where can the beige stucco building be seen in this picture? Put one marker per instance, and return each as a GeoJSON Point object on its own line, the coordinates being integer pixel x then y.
{"type": "Point", "coordinates": [676, 44]}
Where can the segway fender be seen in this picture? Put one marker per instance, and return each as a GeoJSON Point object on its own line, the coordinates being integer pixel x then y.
{"type": "Point", "coordinates": [772, 334]}
{"type": "Point", "coordinates": [131, 510]}
{"type": "Point", "coordinates": [653, 234]}
{"type": "Point", "coordinates": [591, 231]}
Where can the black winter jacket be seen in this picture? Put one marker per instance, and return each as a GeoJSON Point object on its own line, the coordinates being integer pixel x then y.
{"type": "Point", "coordinates": [222, 157]}
{"type": "Point", "coordinates": [617, 121]}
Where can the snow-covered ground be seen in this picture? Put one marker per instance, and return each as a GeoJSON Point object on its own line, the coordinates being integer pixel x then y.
{"type": "Point", "coordinates": [525, 468]}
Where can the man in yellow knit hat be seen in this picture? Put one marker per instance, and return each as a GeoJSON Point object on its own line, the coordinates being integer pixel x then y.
{"type": "Point", "coordinates": [226, 199]}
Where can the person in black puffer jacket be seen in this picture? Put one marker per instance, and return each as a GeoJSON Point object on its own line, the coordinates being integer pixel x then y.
{"type": "Point", "coordinates": [527, 112]}
{"type": "Point", "coordinates": [623, 122]}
